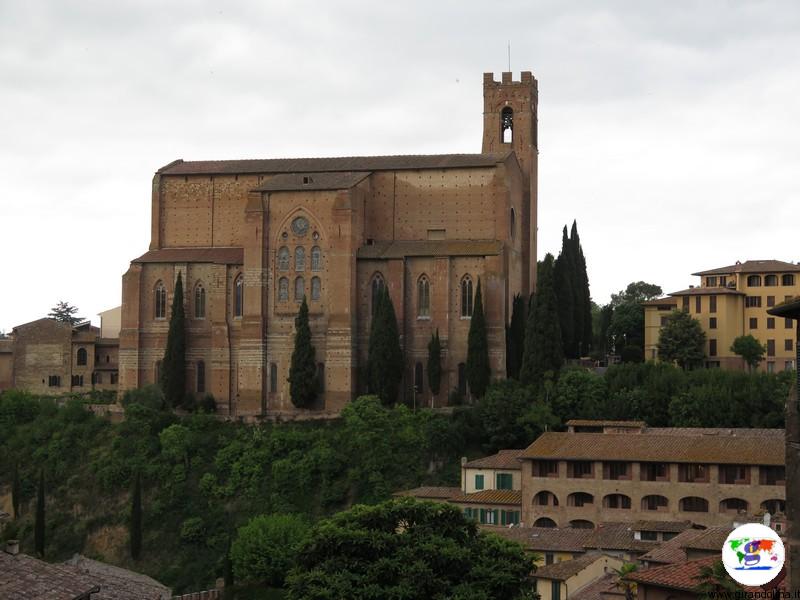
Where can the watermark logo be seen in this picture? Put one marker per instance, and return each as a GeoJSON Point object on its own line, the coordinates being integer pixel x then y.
{"type": "Point", "coordinates": [753, 554]}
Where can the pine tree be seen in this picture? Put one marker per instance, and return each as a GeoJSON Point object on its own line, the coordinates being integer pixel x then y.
{"type": "Point", "coordinates": [582, 297]}
{"type": "Point", "coordinates": [515, 337]}
{"type": "Point", "coordinates": [303, 369]}
{"type": "Point", "coordinates": [565, 293]}
{"type": "Point", "coordinates": [173, 367]}
{"type": "Point", "coordinates": [39, 524]}
{"type": "Point", "coordinates": [385, 362]}
{"type": "Point", "coordinates": [478, 369]}
{"type": "Point", "coordinates": [543, 350]}
{"type": "Point", "coordinates": [435, 363]}
{"type": "Point", "coordinates": [136, 519]}
{"type": "Point", "coordinates": [16, 492]}
{"type": "Point", "coordinates": [65, 312]}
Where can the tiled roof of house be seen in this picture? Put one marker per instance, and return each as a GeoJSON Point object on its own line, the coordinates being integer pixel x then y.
{"type": "Point", "coordinates": [548, 539]}
{"type": "Point", "coordinates": [23, 577]}
{"type": "Point", "coordinates": [712, 539]}
{"type": "Point", "coordinates": [431, 492]}
{"type": "Point", "coordinates": [561, 571]}
{"type": "Point", "coordinates": [754, 266]}
{"type": "Point", "coordinates": [702, 291]}
{"type": "Point", "coordinates": [341, 163]}
{"type": "Point", "coordinates": [657, 301]}
{"type": "Point", "coordinates": [721, 448]}
{"type": "Point", "coordinates": [221, 256]}
{"type": "Point", "coordinates": [599, 589]}
{"type": "Point", "coordinates": [505, 459]}
{"type": "Point", "coordinates": [674, 550]}
{"type": "Point", "coordinates": [288, 182]}
{"type": "Point", "coordinates": [602, 423]}
{"type": "Point", "coordinates": [666, 526]}
{"type": "Point", "coordinates": [504, 497]}
{"type": "Point", "coordinates": [402, 248]}
{"type": "Point", "coordinates": [617, 536]}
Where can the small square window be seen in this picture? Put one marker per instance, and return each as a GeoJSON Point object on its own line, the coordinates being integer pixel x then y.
{"type": "Point", "coordinates": [712, 323]}
{"type": "Point", "coordinates": [753, 323]}
{"type": "Point", "coordinates": [770, 322]}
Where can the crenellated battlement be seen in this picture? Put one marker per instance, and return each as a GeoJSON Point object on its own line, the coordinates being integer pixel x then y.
{"type": "Point", "coordinates": [526, 78]}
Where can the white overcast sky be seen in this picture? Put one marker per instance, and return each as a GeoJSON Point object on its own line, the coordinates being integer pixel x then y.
{"type": "Point", "coordinates": [668, 129]}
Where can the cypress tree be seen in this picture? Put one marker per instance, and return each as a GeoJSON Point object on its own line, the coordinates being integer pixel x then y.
{"type": "Point", "coordinates": [385, 361]}
{"type": "Point", "coordinates": [173, 367]}
{"type": "Point", "coordinates": [16, 492]}
{"type": "Point", "coordinates": [434, 363]}
{"type": "Point", "coordinates": [136, 519]}
{"type": "Point", "coordinates": [565, 294]}
{"type": "Point", "coordinates": [303, 368]}
{"type": "Point", "coordinates": [515, 337]}
{"type": "Point", "coordinates": [543, 349]}
{"type": "Point", "coordinates": [39, 524]}
{"type": "Point", "coordinates": [478, 369]}
{"type": "Point", "coordinates": [583, 300]}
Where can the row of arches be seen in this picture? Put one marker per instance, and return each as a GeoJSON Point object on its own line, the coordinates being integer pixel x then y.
{"type": "Point", "coordinates": [466, 289]}
{"type": "Point", "coordinates": [655, 502]}
{"type": "Point", "coordinates": [299, 289]}
{"type": "Point", "coordinates": [284, 257]}
{"type": "Point", "coordinates": [770, 280]}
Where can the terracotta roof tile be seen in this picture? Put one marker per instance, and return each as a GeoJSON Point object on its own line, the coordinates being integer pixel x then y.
{"type": "Point", "coordinates": [672, 550]}
{"type": "Point", "coordinates": [505, 459]}
{"type": "Point", "coordinates": [343, 163]}
{"type": "Point", "coordinates": [712, 538]}
{"type": "Point", "coordinates": [561, 571]}
{"type": "Point", "coordinates": [220, 256]}
{"type": "Point", "coordinates": [504, 497]}
{"type": "Point", "coordinates": [548, 539]}
{"type": "Point", "coordinates": [599, 589]}
{"type": "Point", "coordinates": [403, 248]}
{"type": "Point", "coordinates": [286, 182]}
{"type": "Point", "coordinates": [430, 492]}
{"type": "Point", "coordinates": [617, 536]}
{"type": "Point", "coordinates": [702, 291]}
{"type": "Point", "coordinates": [722, 448]}
{"type": "Point", "coordinates": [602, 423]}
{"type": "Point", "coordinates": [666, 526]}
{"type": "Point", "coordinates": [658, 301]}
{"type": "Point", "coordinates": [754, 266]}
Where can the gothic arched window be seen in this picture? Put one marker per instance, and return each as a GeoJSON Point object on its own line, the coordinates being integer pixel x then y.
{"type": "Point", "coordinates": [466, 296]}
{"type": "Point", "coordinates": [238, 296]}
{"type": "Point", "coordinates": [82, 357]}
{"type": "Point", "coordinates": [299, 289]}
{"type": "Point", "coordinates": [507, 125]}
{"type": "Point", "coordinates": [160, 301]}
{"type": "Point", "coordinates": [423, 297]}
{"type": "Point", "coordinates": [316, 288]}
{"type": "Point", "coordinates": [316, 258]}
{"type": "Point", "coordinates": [377, 287]}
{"type": "Point", "coordinates": [283, 259]}
{"type": "Point", "coordinates": [199, 301]}
{"type": "Point", "coordinates": [283, 289]}
{"type": "Point", "coordinates": [299, 259]}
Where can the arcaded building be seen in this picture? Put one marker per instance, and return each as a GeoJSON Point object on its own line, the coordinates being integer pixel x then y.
{"type": "Point", "coordinates": [251, 238]}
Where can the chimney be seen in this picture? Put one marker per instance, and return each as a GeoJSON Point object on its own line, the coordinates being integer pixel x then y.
{"type": "Point", "coordinates": [12, 547]}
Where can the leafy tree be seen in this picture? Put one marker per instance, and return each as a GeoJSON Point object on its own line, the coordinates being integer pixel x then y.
{"type": "Point", "coordinates": [478, 369]}
{"type": "Point", "coordinates": [682, 340]}
{"type": "Point", "coordinates": [628, 587]}
{"type": "Point", "coordinates": [385, 360]}
{"type": "Point", "coordinates": [39, 524]}
{"type": "Point", "coordinates": [564, 285]}
{"type": "Point", "coordinates": [582, 297]}
{"type": "Point", "coordinates": [750, 349]}
{"type": "Point", "coordinates": [601, 321]}
{"type": "Point", "coordinates": [16, 492]}
{"type": "Point", "coordinates": [136, 519]}
{"type": "Point", "coordinates": [435, 363]}
{"type": "Point", "coordinates": [543, 350]}
{"type": "Point", "coordinates": [266, 547]}
{"type": "Point", "coordinates": [515, 337]}
{"type": "Point", "coordinates": [408, 549]}
{"type": "Point", "coordinates": [579, 394]}
{"type": "Point", "coordinates": [65, 313]}
{"type": "Point", "coordinates": [714, 582]}
{"type": "Point", "coordinates": [627, 320]}
{"type": "Point", "coordinates": [173, 367]}
{"type": "Point", "coordinates": [303, 383]}
{"type": "Point", "coordinates": [176, 443]}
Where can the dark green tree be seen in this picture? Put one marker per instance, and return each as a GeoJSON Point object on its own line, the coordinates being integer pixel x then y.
{"type": "Point", "coordinates": [543, 350]}
{"type": "Point", "coordinates": [683, 340]}
{"type": "Point", "coordinates": [478, 369]}
{"type": "Point", "coordinates": [173, 367]}
{"type": "Point", "coordinates": [582, 297]}
{"type": "Point", "coordinates": [564, 287]}
{"type": "Point", "coordinates": [515, 337]}
{"type": "Point", "coordinates": [265, 548]}
{"type": "Point", "coordinates": [16, 492]}
{"type": "Point", "coordinates": [65, 312]}
{"type": "Point", "coordinates": [408, 549]}
{"type": "Point", "coordinates": [750, 349]}
{"type": "Point", "coordinates": [434, 363]}
{"type": "Point", "coordinates": [303, 383]}
{"type": "Point", "coordinates": [136, 519]}
{"type": "Point", "coordinates": [39, 524]}
{"type": "Point", "coordinates": [385, 359]}
{"type": "Point", "coordinates": [627, 320]}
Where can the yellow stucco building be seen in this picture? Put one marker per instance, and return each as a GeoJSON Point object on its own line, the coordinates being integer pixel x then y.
{"type": "Point", "coordinates": [730, 302]}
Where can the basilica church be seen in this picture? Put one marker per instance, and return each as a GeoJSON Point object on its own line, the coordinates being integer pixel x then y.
{"type": "Point", "coordinates": [251, 238]}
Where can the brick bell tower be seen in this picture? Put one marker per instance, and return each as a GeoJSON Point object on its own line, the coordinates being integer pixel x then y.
{"type": "Point", "coordinates": [510, 123]}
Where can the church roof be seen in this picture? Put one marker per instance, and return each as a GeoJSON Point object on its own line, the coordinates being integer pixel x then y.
{"type": "Point", "coordinates": [403, 248]}
{"type": "Point", "coordinates": [288, 182]}
{"type": "Point", "coordinates": [220, 256]}
{"type": "Point", "coordinates": [341, 163]}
